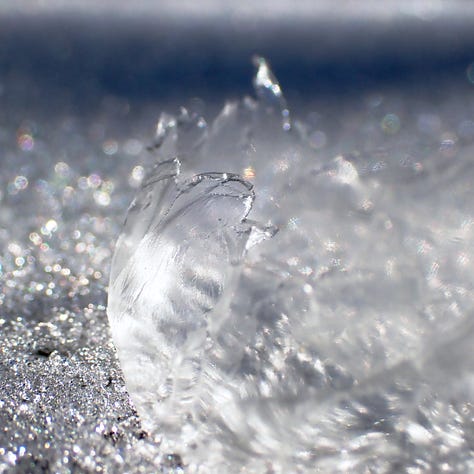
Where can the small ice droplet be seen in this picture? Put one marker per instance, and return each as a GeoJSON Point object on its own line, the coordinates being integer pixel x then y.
{"type": "Point", "coordinates": [268, 90]}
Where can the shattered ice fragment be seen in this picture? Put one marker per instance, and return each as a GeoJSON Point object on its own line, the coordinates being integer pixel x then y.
{"type": "Point", "coordinates": [174, 262]}
{"type": "Point", "coordinates": [259, 233]}
{"type": "Point", "coordinates": [178, 136]}
{"type": "Point", "coordinates": [345, 172]}
{"type": "Point", "coordinates": [269, 91]}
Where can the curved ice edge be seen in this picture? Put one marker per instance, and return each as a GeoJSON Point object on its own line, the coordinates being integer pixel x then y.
{"type": "Point", "coordinates": [160, 191]}
{"type": "Point", "coordinates": [182, 215]}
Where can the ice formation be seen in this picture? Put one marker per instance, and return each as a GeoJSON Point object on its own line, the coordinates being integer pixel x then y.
{"type": "Point", "coordinates": [176, 268]}
{"type": "Point", "coordinates": [300, 353]}
{"type": "Point", "coordinates": [172, 265]}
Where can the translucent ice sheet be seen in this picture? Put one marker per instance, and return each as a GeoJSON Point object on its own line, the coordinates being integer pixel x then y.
{"type": "Point", "coordinates": [332, 344]}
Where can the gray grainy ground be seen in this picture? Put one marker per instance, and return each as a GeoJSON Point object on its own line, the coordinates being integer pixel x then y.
{"type": "Point", "coordinates": [63, 404]}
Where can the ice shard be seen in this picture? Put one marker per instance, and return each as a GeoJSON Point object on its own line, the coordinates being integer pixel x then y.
{"type": "Point", "coordinates": [174, 262]}
{"type": "Point", "coordinates": [277, 356]}
{"type": "Point", "coordinates": [269, 91]}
